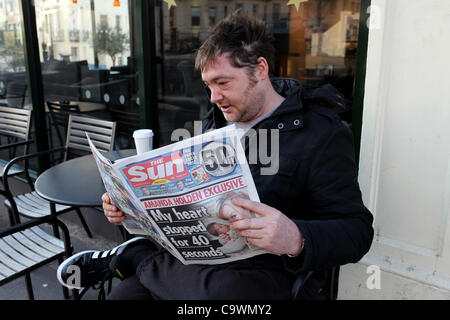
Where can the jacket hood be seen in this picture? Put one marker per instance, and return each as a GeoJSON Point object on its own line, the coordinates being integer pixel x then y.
{"type": "Point", "coordinates": [326, 95]}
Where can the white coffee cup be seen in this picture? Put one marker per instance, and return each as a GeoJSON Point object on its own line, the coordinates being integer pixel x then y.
{"type": "Point", "coordinates": [143, 139]}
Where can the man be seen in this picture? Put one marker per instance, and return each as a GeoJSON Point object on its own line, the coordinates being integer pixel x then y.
{"type": "Point", "coordinates": [180, 185]}
{"type": "Point", "coordinates": [311, 215]}
{"type": "Point", "coordinates": [146, 191]}
{"type": "Point", "coordinates": [164, 189]}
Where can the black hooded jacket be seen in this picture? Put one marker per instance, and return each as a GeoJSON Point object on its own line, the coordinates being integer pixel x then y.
{"type": "Point", "coordinates": [316, 183]}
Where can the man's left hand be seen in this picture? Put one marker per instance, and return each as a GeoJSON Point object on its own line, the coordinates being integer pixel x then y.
{"type": "Point", "coordinates": [272, 230]}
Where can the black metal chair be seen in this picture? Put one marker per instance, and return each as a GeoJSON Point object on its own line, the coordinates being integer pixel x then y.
{"type": "Point", "coordinates": [15, 127]}
{"type": "Point", "coordinates": [127, 122]}
{"type": "Point", "coordinates": [59, 117]}
{"type": "Point", "coordinates": [31, 205]}
{"type": "Point", "coordinates": [25, 247]}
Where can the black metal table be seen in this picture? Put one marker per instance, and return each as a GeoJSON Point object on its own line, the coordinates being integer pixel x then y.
{"type": "Point", "coordinates": [76, 182]}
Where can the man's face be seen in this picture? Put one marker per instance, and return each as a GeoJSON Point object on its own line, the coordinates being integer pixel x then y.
{"type": "Point", "coordinates": [239, 98]}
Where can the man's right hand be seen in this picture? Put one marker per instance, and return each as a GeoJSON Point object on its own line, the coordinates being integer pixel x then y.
{"type": "Point", "coordinates": [112, 213]}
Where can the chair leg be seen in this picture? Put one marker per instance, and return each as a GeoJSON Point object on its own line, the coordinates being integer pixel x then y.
{"type": "Point", "coordinates": [83, 222]}
{"type": "Point", "coordinates": [64, 289]}
{"type": "Point", "coordinates": [11, 218]}
{"type": "Point", "coordinates": [110, 285]}
{"type": "Point", "coordinates": [29, 286]}
{"type": "Point", "coordinates": [53, 213]}
{"type": "Point", "coordinates": [65, 293]}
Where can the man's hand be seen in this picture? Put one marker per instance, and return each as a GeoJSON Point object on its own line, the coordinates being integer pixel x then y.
{"type": "Point", "coordinates": [114, 215]}
{"type": "Point", "coordinates": [272, 230]}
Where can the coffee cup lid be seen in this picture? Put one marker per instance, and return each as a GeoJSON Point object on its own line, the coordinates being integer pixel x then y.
{"type": "Point", "coordinates": [143, 133]}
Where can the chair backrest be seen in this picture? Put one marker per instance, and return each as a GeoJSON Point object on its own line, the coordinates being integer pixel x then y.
{"type": "Point", "coordinates": [127, 121]}
{"type": "Point", "coordinates": [59, 116]}
{"type": "Point", "coordinates": [101, 132]}
{"type": "Point", "coordinates": [15, 122]}
{"type": "Point", "coordinates": [60, 112]}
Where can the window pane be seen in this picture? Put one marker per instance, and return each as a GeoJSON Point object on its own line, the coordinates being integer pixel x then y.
{"type": "Point", "coordinates": [212, 16]}
{"type": "Point", "coordinates": [316, 44]}
{"type": "Point", "coordinates": [13, 81]}
{"type": "Point", "coordinates": [88, 60]}
{"type": "Point", "coordinates": [13, 86]}
{"type": "Point", "coordinates": [195, 16]}
{"type": "Point", "coordinates": [321, 46]}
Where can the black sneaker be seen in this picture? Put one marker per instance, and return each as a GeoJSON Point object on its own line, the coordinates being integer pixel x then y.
{"type": "Point", "coordinates": [88, 268]}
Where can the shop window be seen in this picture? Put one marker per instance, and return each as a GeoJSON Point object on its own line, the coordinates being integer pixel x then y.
{"type": "Point", "coordinates": [211, 16]}
{"type": "Point", "coordinates": [14, 88]}
{"type": "Point", "coordinates": [118, 25]}
{"type": "Point", "coordinates": [315, 44]}
{"type": "Point", "coordinates": [88, 59]}
{"type": "Point", "coordinates": [104, 20]}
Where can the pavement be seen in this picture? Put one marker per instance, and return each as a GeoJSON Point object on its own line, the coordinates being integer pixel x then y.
{"type": "Point", "coordinates": [44, 281]}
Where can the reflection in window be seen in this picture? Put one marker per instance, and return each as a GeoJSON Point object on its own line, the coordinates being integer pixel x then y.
{"type": "Point", "coordinates": [315, 44]}
{"type": "Point", "coordinates": [276, 12]}
{"type": "Point", "coordinates": [323, 46]}
{"type": "Point", "coordinates": [118, 26]}
{"type": "Point", "coordinates": [255, 9]}
{"type": "Point", "coordinates": [104, 20]}
{"type": "Point", "coordinates": [14, 91]}
{"type": "Point", "coordinates": [195, 16]}
{"type": "Point", "coordinates": [11, 47]}
{"type": "Point", "coordinates": [88, 60]}
{"type": "Point", "coordinates": [13, 85]}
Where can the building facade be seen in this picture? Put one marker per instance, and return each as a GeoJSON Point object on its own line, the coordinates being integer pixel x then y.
{"type": "Point", "coordinates": [405, 154]}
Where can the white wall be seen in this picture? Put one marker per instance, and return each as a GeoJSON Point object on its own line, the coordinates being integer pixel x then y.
{"type": "Point", "coordinates": [405, 152]}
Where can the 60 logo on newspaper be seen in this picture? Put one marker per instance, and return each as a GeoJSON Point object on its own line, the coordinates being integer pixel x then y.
{"type": "Point", "coordinates": [218, 158]}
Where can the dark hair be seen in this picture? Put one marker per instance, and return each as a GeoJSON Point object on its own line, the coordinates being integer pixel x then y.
{"type": "Point", "coordinates": [244, 37]}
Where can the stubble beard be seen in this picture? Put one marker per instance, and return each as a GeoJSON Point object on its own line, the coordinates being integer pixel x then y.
{"type": "Point", "coordinates": [252, 107]}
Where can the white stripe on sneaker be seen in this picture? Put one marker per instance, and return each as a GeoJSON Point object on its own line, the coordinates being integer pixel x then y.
{"type": "Point", "coordinates": [106, 253]}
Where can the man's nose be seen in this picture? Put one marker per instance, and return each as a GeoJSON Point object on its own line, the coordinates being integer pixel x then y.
{"type": "Point", "coordinates": [216, 95]}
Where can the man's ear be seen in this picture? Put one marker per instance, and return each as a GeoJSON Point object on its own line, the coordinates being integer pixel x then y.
{"type": "Point", "coordinates": [262, 69]}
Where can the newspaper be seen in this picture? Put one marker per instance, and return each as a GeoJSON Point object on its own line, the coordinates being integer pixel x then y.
{"type": "Point", "coordinates": [180, 195]}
